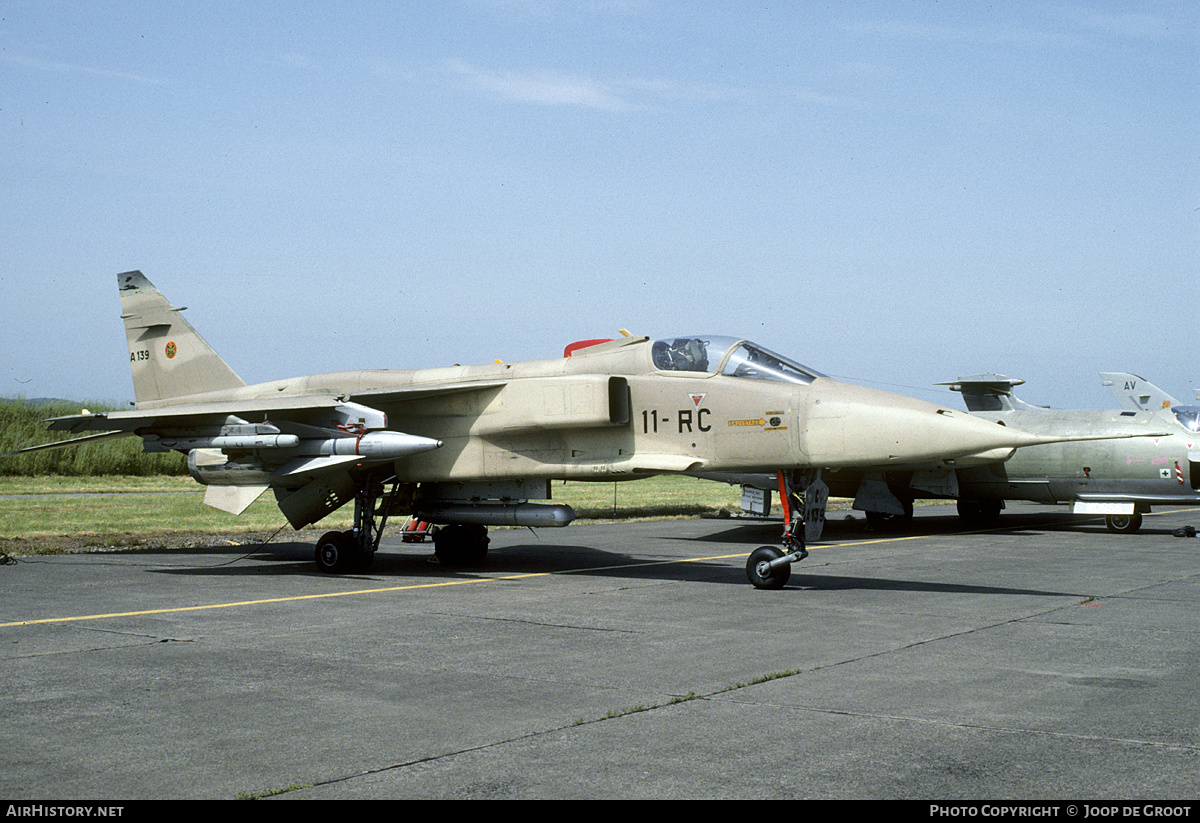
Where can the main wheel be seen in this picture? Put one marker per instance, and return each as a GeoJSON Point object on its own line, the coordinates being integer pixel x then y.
{"type": "Point", "coordinates": [760, 575]}
{"type": "Point", "coordinates": [336, 553]}
{"type": "Point", "coordinates": [979, 512]}
{"type": "Point", "coordinates": [1123, 523]}
{"type": "Point", "coordinates": [883, 522]}
{"type": "Point", "coordinates": [461, 545]}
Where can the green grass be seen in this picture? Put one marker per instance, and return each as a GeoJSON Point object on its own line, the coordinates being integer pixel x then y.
{"type": "Point", "coordinates": [653, 497]}
{"type": "Point", "coordinates": [65, 506]}
{"type": "Point", "coordinates": [99, 484]}
{"type": "Point", "coordinates": [45, 515]}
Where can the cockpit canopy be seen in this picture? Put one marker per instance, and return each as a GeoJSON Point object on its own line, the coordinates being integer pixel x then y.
{"type": "Point", "coordinates": [1188, 417]}
{"type": "Point", "coordinates": [731, 356]}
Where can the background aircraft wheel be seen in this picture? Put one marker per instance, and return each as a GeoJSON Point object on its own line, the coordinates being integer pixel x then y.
{"type": "Point", "coordinates": [335, 552]}
{"type": "Point", "coordinates": [764, 578]}
{"type": "Point", "coordinates": [461, 545]}
{"type": "Point", "coordinates": [1123, 523]}
{"type": "Point", "coordinates": [979, 512]}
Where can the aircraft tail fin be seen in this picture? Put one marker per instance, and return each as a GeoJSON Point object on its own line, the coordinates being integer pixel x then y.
{"type": "Point", "coordinates": [989, 393]}
{"type": "Point", "coordinates": [167, 356]}
{"type": "Point", "coordinates": [1134, 393]}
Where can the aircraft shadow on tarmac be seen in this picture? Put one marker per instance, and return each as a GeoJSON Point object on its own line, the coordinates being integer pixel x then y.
{"type": "Point", "coordinates": [535, 557]}
{"type": "Point", "coordinates": [821, 582]}
{"type": "Point", "coordinates": [846, 526]}
{"type": "Point", "coordinates": [416, 561]}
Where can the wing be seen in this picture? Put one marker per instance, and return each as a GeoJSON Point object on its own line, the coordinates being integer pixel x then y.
{"type": "Point", "coordinates": [193, 415]}
{"type": "Point", "coordinates": [241, 448]}
{"type": "Point", "coordinates": [62, 444]}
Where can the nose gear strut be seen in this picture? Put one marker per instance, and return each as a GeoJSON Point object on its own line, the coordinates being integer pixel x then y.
{"type": "Point", "coordinates": [769, 567]}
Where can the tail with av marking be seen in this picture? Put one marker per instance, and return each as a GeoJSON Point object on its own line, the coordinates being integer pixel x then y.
{"type": "Point", "coordinates": [1135, 393]}
{"type": "Point", "coordinates": [168, 358]}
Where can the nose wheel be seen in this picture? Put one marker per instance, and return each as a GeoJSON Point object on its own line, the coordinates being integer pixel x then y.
{"type": "Point", "coordinates": [760, 571]}
{"type": "Point", "coordinates": [768, 567]}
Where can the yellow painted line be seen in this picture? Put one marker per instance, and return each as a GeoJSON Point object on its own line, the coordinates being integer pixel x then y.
{"type": "Point", "coordinates": [270, 600]}
{"type": "Point", "coordinates": [411, 587]}
{"type": "Point", "coordinates": [504, 578]}
{"type": "Point", "coordinates": [382, 590]}
{"type": "Point", "coordinates": [297, 598]}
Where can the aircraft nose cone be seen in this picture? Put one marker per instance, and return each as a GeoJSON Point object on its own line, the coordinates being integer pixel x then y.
{"type": "Point", "coordinates": [852, 426]}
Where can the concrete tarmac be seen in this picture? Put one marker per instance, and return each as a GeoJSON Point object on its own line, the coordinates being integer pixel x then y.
{"type": "Point", "coordinates": [1044, 659]}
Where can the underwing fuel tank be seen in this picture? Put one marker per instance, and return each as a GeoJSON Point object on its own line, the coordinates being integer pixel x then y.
{"type": "Point", "coordinates": [849, 426]}
{"type": "Point", "coordinates": [492, 513]}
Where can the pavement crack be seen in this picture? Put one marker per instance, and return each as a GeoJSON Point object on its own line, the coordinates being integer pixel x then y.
{"type": "Point", "coordinates": [1093, 738]}
{"type": "Point", "coordinates": [151, 637]}
{"type": "Point", "coordinates": [147, 640]}
{"type": "Point", "coordinates": [528, 622]}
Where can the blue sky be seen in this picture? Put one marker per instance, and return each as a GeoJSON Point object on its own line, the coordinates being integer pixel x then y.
{"type": "Point", "coordinates": [895, 193]}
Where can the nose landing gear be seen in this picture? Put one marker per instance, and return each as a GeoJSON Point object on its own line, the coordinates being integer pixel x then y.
{"type": "Point", "coordinates": [769, 567]}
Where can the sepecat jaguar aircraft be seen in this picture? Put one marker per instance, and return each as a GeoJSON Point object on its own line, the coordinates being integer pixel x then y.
{"type": "Point", "coordinates": [468, 447]}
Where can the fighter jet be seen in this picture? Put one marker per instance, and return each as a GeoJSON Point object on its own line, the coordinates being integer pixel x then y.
{"type": "Point", "coordinates": [1146, 457]}
{"type": "Point", "coordinates": [469, 447]}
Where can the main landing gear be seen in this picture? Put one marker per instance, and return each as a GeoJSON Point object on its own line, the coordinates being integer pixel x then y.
{"type": "Point", "coordinates": [769, 567]}
{"type": "Point", "coordinates": [454, 545]}
{"type": "Point", "coordinates": [459, 545]}
{"type": "Point", "coordinates": [352, 551]}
